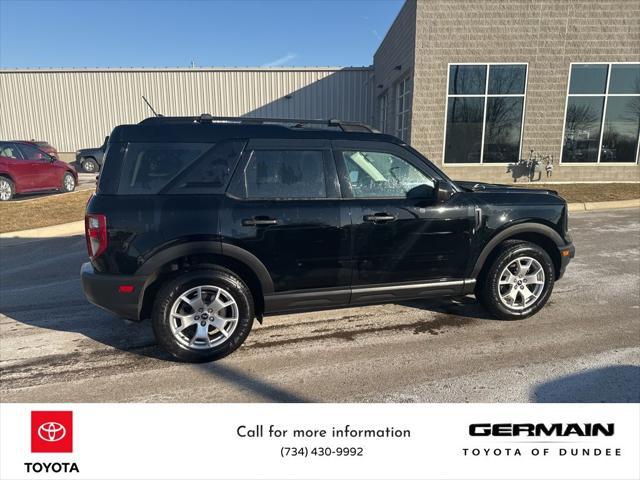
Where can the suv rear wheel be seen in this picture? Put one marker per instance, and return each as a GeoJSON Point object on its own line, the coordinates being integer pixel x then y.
{"type": "Point", "coordinates": [519, 281]}
{"type": "Point", "coordinates": [203, 315]}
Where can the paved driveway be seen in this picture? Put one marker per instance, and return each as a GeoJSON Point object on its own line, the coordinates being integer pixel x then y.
{"type": "Point", "coordinates": [584, 346]}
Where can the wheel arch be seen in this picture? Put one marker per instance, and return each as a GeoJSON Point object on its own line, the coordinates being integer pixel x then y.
{"type": "Point", "coordinates": [537, 233]}
{"type": "Point", "coordinates": [196, 255]}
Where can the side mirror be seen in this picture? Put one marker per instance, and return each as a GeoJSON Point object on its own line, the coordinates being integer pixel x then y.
{"type": "Point", "coordinates": [422, 192]}
{"type": "Point", "coordinates": [443, 192]}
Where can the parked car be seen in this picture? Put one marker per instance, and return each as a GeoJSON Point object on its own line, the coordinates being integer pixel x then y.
{"type": "Point", "coordinates": [203, 226]}
{"type": "Point", "coordinates": [90, 159]}
{"type": "Point", "coordinates": [42, 145]}
{"type": "Point", "coordinates": [25, 168]}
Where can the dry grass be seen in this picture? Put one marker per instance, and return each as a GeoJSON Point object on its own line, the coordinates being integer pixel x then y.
{"type": "Point", "coordinates": [590, 192]}
{"type": "Point", "coordinates": [69, 207]}
{"type": "Point", "coordinates": [43, 211]}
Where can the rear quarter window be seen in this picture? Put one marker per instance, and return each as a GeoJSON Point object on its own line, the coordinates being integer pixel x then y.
{"type": "Point", "coordinates": [177, 168]}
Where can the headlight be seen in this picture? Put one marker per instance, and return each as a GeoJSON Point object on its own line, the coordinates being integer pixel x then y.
{"type": "Point", "coordinates": [77, 152]}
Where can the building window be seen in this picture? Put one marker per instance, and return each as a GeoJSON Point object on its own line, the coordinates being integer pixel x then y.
{"type": "Point", "coordinates": [485, 109]}
{"type": "Point", "coordinates": [602, 120]}
{"type": "Point", "coordinates": [403, 110]}
{"type": "Point", "coordinates": [382, 112]}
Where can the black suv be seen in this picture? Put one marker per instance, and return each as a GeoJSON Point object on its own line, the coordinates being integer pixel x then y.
{"type": "Point", "coordinates": [205, 224]}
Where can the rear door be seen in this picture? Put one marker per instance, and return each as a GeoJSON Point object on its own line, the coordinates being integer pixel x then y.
{"type": "Point", "coordinates": [43, 173]}
{"type": "Point", "coordinates": [284, 207]}
{"type": "Point", "coordinates": [401, 234]}
{"type": "Point", "coordinates": [19, 167]}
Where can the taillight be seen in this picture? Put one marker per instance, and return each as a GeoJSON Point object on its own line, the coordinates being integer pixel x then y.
{"type": "Point", "coordinates": [95, 227]}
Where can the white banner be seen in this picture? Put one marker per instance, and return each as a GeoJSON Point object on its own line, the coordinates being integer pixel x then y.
{"type": "Point", "coordinates": [317, 441]}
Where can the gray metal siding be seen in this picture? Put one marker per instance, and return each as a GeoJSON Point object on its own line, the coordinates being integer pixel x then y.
{"type": "Point", "coordinates": [77, 108]}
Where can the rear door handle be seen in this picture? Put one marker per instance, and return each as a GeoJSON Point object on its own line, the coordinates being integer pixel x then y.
{"type": "Point", "coordinates": [253, 222]}
{"type": "Point", "coordinates": [379, 217]}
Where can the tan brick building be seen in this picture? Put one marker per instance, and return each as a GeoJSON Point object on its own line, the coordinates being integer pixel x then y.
{"type": "Point", "coordinates": [476, 84]}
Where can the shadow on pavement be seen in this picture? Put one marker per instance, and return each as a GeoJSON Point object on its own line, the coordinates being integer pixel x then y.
{"type": "Point", "coordinates": [41, 288]}
{"type": "Point", "coordinates": [614, 384]}
{"type": "Point", "coordinates": [266, 391]}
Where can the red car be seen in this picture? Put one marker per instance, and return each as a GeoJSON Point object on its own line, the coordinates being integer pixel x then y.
{"type": "Point", "coordinates": [25, 168]}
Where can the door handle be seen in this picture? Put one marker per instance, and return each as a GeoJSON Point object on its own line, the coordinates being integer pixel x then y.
{"type": "Point", "coordinates": [379, 217]}
{"type": "Point", "coordinates": [254, 222]}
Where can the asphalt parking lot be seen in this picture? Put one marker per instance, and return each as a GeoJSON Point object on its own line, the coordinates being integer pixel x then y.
{"type": "Point", "coordinates": [86, 181]}
{"type": "Point", "coordinates": [584, 346]}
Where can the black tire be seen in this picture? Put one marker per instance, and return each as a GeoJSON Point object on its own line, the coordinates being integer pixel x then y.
{"type": "Point", "coordinates": [488, 288]}
{"type": "Point", "coordinates": [7, 189]}
{"type": "Point", "coordinates": [65, 182]}
{"type": "Point", "coordinates": [174, 288]}
{"type": "Point", "coordinates": [89, 165]}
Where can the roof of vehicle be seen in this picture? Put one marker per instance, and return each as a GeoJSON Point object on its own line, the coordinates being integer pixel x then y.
{"type": "Point", "coordinates": [211, 129]}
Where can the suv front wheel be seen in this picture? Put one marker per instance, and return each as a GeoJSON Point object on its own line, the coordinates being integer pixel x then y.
{"type": "Point", "coordinates": [519, 282]}
{"type": "Point", "coordinates": [203, 315]}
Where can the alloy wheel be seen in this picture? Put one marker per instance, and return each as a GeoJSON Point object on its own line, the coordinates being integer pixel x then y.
{"type": "Point", "coordinates": [69, 183]}
{"type": "Point", "coordinates": [5, 190]}
{"type": "Point", "coordinates": [204, 317]}
{"type": "Point", "coordinates": [521, 283]}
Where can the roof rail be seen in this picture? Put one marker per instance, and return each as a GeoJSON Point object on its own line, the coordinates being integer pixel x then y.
{"type": "Point", "coordinates": [296, 122]}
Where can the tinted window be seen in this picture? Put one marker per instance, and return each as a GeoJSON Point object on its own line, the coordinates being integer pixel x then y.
{"type": "Point", "coordinates": [625, 79]}
{"type": "Point", "coordinates": [588, 79]}
{"type": "Point", "coordinates": [502, 130]}
{"type": "Point", "coordinates": [464, 130]}
{"type": "Point", "coordinates": [582, 129]}
{"type": "Point", "coordinates": [285, 174]}
{"type": "Point", "coordinates": [467, 79]}
{"type": "Point", "coordinates": [210, 173]}
{"type": "Point", "coordinates": [9, 150]}
{"type": "Point", "coordinates": [621, 129]}
{"type": "Point", "coordinates": [508, 79]}
{"type": "Point", "coordinates": [31, 153]}
{"type": "Point", "coordinates": [378, 174]}
{"type": "Point", "coordinates": [149, 167]}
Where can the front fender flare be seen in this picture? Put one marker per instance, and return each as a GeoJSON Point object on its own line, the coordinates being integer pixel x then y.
{"type": "Point", "coordinates": [510, 232]}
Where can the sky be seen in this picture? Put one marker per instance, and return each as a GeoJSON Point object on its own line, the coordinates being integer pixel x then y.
{"type": "Point", "coordinates": [170, 33]}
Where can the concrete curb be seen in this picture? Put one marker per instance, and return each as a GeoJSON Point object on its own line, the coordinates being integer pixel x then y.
{"type": "Point", "coordinates": [26, 236]}
{"type": "Point", "coordinates": [594, 206]}
{"type": "Point", "coordinates": [75, 228]}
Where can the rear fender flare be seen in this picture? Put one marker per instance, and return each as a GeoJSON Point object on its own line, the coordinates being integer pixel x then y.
{"type": "Point", "coordinates": [175, 252]}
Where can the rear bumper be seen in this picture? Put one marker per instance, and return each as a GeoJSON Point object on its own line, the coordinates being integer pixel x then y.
{"type": "Point", "coordinates": [566, 254]}
{"type": "Point", "coordinates": [103, 290]}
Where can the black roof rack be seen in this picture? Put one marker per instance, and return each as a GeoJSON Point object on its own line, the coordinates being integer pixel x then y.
{"type": "Point", "coordinates": [296, 122]}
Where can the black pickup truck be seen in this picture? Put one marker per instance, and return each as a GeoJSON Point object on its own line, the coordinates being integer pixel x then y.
{"type": "Point", "coordinates": [90, 160]}
{"type": "Point", "coordinates": [204, 224]}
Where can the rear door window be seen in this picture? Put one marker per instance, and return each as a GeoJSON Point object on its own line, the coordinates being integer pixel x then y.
{"type": "Point", "coordinates": [9, 150]}
{"type": "Point", "coordinates": [286, 174]}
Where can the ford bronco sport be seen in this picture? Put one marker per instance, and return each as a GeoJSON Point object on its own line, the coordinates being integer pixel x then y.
{"type": "Point", "coordinates": [204, 224]}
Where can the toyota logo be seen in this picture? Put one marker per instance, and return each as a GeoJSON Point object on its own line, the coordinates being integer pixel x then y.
{"type": "Point", "coordinates": [52, 431]}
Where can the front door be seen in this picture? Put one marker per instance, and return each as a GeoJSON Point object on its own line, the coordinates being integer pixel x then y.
{"type": "Point", "coordinates": [43, 174]}
{"type": "Point", "coordinates": [400, 234]}
{"type": "Point", "coordinates": [283, 207]}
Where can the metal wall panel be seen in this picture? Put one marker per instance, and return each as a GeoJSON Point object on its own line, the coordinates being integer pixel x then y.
{"type": "Point", "coordinates": [77, 108]}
